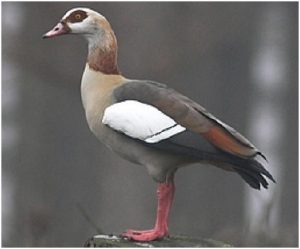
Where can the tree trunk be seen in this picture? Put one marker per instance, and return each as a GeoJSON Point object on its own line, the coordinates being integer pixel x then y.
{"type": "Point", "coordinates": [174, 241]}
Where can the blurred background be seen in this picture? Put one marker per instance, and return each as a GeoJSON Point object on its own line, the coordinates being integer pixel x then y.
{"type": "Point", "coordinates": [60, 186]}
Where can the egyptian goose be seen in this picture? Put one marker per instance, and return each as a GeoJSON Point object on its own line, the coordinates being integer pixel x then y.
{"type": "Point", "coordinates": [150, 124]}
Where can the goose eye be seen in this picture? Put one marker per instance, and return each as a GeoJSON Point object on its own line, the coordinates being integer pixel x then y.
{"type": "Point", "coordinates": [76, 16]}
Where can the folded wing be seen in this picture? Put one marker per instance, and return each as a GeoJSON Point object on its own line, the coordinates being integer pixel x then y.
{"type": "Point", "coordinates": [166, 120]}
{"type": "Point", "coordinates": [188, 114]}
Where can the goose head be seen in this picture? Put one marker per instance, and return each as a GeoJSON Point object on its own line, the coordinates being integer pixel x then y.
{"type": "Point", "coordinates": [82, 21]}
{"type": "Point", "coordinates": [102, 43]}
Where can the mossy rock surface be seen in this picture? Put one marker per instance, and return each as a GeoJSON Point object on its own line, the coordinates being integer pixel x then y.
{"type": "Point", "coordinates": [173, 241]}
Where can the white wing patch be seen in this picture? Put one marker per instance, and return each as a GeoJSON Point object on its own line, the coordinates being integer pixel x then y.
{"type": "Point", "coordinates": [141, 121]}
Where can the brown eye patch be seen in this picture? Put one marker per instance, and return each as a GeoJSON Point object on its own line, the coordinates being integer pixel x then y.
{"type": "Point", "coordinates": [76, 16]}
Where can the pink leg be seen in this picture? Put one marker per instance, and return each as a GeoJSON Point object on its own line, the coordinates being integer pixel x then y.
{"type": "Point", "coordinates": [165, 195]}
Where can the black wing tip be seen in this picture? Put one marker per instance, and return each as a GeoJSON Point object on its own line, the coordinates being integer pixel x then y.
{"type": "Point", "coordinates": [261, 169]}
{"type": "Point", "coordinates": [262, 155]}
{"type": "Point", "coordinates": [255, 175]}
{"type": "Point", "coordinates": [267, 174]}
{"type": "Point", "coordinates": [255, 182]}
{"type": "Point", "coordinates": [263, 181]}
{"type": "Point", "coordinates": [272, 179]}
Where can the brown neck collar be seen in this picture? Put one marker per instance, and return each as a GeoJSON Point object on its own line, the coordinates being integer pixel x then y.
{"type": "Point", "coordinates": [103, 52]}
